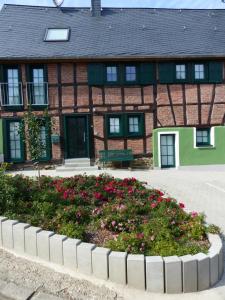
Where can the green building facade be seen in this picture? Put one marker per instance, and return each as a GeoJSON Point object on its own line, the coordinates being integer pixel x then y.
{"type": "Point", "coordinates": [188, 146]}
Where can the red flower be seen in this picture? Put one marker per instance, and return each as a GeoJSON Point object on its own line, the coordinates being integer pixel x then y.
{"type": "Point", "coordinates": [98, 196]}
{"type": "Point", "coordinates": [140, 236]}
{"type": "Point", "coordinates": [181, 205]}
{"type": "Point", "coordinates": [160, 199]}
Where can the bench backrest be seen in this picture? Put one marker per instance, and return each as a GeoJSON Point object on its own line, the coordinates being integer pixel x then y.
{"type": "Point", "coordinates": [116, 154]}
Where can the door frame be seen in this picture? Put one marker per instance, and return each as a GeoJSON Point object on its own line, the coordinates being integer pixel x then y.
{"type": "Point", "coordinates": [176, 145]}
{"type": "Point", "coordinates": [87, 117]}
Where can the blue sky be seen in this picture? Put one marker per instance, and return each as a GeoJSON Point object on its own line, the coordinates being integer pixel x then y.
{"type": "Point", "coordinates": [130, 3]}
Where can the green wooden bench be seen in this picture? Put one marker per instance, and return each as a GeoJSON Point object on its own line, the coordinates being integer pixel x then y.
{"type": "Point", "coordinates": [115, 155]}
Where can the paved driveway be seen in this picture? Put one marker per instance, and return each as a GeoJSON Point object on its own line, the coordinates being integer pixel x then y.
{"type": "Point", "coordinates": [201, 189]}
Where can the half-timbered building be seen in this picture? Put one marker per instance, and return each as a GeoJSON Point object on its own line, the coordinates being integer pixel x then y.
{"type": "Point", "coordinates": [150, 80]}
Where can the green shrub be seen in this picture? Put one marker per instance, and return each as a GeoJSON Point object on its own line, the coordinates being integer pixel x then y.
{"type": "Point", "coordinates": [123, 215]}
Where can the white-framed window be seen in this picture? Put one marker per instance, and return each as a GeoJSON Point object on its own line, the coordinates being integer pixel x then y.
{"type": "Point", "coordinates": [181, 72]}
{"type": "Point", "coordinates": [111, 72]}
{"type": "Point", "coordinates": [199, 71]}
{"type": "Point", "coordinates": [131, 73]}
{"type": "Point", "coordinates": [204, 137]}
{"type": "Point", "coordinates": [57, 34]}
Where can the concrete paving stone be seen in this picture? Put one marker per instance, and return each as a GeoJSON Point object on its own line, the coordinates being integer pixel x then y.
{"type": "Point", "coordinates": [31, 240]}
{"type": "Point", "coordinates": [19, 237]}
{"type": "Point", "coordinates": [56, 248]}
{"type": "Point", "coordinates": [84, 257]}
{"type": "Point", "coordinates": [15, 292]}
{"type": "Point", "coordinates": [100, 262]}
{"type": "Point", "coordinates": [70, 253]}
{"type": "Point", "coordinates": [189, 274]}
{"type": "Point", "coordinates": [118, 267]}
{"type": "Point", "coordinates": [2, 284]}
{"type": "Point", "coordinates": [42, 296]}
{"type": "Point", "coordinates": [7, 233]}
{"type": "Point", "coordinates": [2, 219]}
{"type": "Point", "coordinates": [154, 274]}
{"type": "Point", "coordinates": [173, 275]}
{"type": "Point", "coordinates": [43, 244]}
{"type": "Point", "coordinates": [136, 271]}
{"type": "Point", "coordinates": [203, 271]}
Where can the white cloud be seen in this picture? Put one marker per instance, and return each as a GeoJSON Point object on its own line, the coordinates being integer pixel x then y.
{"type": "Point", "coordinates": [129, 3]}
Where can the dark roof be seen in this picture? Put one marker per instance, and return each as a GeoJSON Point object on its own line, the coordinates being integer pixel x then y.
{"type": "Point", "coordinates": [118, 33]}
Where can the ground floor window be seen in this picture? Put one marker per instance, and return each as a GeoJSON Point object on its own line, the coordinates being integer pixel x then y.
{"type": "Point", "coordinates": [125, 125]}
{"type": "Point", "coordinates": [202, 137]}
{"type": "Point", "coordinates": [13, 144]}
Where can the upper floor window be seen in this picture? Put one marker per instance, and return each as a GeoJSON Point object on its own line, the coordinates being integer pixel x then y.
{"type": "Point", "coordinates": [11, 88]}
{"type": "Point", "coordinates": [112, 75]}
{"type": "Point", "coordinates": [131, 73]}
{"type": "Point", "coordinates": [37, 86]}
{"type": "Point", "coordinates": [57, 34]}
{"type": "Point", "coordinates": [199, 71]}
{"type": "Point", "coordinates": [181, 72]}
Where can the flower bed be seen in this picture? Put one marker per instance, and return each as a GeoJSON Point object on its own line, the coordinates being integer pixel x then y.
{"type": "Point", "coordinates": [122, 215]}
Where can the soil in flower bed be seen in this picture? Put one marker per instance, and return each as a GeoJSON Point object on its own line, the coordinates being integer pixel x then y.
{"type": "Point", "coordinates": [123, 215]}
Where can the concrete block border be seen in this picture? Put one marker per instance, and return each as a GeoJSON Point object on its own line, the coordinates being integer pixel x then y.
{"type": "Point", "coordinates": [186, 274]}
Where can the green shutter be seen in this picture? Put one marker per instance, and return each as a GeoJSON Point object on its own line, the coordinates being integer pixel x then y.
{"type": "Point", "coordinates": [147, 73]}
{"type": "Point", "coordinates": [166, 72]}
{"type": "Point", "coordinates": [215, 72]}
{"type": "Point", "coordinates": [96, 74]}
{"type": "Point", "coordinates": [1, 73]}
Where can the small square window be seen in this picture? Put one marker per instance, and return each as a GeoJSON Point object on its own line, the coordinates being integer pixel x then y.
{"type": "Point", "coordinates": [181, 72]}
{"type": "Point", "coordinates": [199, 71]}
{"type": "Point", "coordinates": [203, 137]}
{"type": "Point", "coordinates": [57, 34]}
{"type": "Point", "coordinates": [111, 74]}
{"type": "Point", "coordinates": [131, 73]}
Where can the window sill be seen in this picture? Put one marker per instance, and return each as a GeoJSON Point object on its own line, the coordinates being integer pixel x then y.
{"type": "Point", "coordinates": [39, 107]}
{"type": "Point", "coordinates": [13, 108]}
{"type": "Point", "coordinates": [205, 147]}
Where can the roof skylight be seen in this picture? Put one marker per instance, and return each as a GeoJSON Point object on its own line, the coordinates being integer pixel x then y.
{"type": "Point", "coordinates": [57, 34]}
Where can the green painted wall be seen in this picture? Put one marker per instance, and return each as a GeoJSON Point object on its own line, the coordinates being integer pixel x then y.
{"type": "Point", "coordinates": [190, 155]}
{"type": "Point", "coordinates": [1, 137]}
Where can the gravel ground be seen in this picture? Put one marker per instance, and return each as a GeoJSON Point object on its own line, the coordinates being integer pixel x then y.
{"type": "Point", "coordinates": [42, 279]}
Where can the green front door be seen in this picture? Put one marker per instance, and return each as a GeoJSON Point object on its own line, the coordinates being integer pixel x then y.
{"type": "Point", "coordinates": [167, 150]}
{"type": "Point", "coordinates": [77, 137]}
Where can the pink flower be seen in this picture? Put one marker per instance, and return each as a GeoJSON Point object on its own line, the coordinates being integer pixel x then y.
{"type": "Point", "coordinates": [181, 205]}
{"type": "Point", "coordinates": [194, 214]}
{"type": "Point", "coordinates": [113, 223]}
{"type": "Point", "coordinates": [153, 205]}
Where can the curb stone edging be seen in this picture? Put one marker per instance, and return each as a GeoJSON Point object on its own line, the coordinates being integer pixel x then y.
{"type": "Point", "coordinates": [186, 274]}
